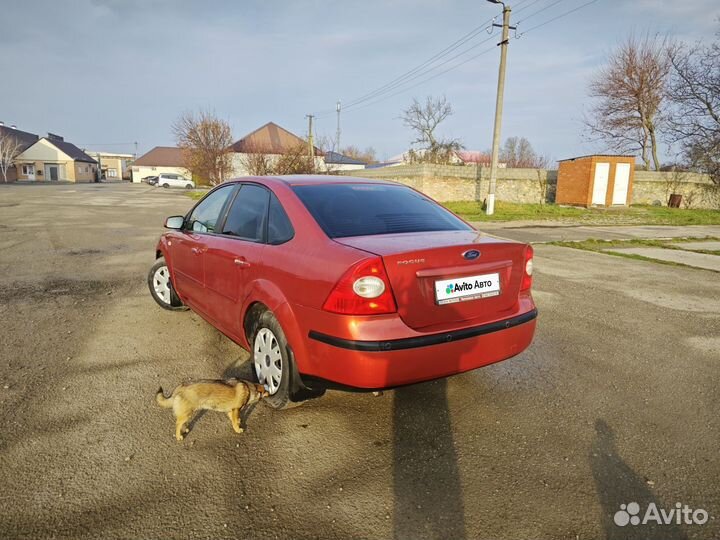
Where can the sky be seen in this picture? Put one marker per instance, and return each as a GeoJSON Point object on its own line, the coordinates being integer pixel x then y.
{"type": "Point", "coordinates": [107, 73]}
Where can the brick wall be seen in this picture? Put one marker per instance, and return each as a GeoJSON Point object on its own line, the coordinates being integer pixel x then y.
{"type": "Point", "coordinates": [698, 190]}
{"type": "Point", "coordinates": [470, 183]}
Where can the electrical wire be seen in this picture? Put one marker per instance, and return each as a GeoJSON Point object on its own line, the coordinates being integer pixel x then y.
{"type": "Point", "coordinates": [556, 2]}
{"type": "Point", "coordinates": [424, 80]}
{"type": "Point", "coordinates": [382, 93]}
{"type": "Point", "coordinates": [558, 17]}
{"type": "Point", "coordinates": [408, 75]}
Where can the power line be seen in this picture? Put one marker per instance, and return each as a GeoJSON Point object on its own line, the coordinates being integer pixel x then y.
{"type": "Point", "coordinates": [558, 17]}
{"type": "Point", "coordinates": [418, 75]}
{"type": "Point", "coordinates": [516, 10]}
{"type": "Point", "coordinates": [408, 74]}
{"type": "Point", "coordinates": [556, 2]}
{"type": "Point", "coordinates": [382, 93]}
{"type": "Point", "coordinates": [424, 80]}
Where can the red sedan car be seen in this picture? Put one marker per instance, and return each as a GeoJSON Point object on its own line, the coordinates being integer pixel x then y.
{"type": "Point", "coordinates": [339, 282]}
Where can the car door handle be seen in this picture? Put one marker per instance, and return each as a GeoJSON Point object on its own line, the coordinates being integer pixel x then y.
{"type": "Point", "coordinates": [241, 263]}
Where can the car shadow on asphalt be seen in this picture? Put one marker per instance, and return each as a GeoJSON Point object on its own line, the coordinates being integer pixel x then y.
{"type": "Point", "coordinates": [618, 484]}
{"type": "Point", "coordinates": [426, 484]}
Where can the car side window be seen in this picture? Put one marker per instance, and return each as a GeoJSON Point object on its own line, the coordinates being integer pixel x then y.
{"type": "Point", "coordinates": [246, 218]}
{"type": "Point", "coordinates": [205, 215]}
{"type": "Point", "coordinates": [280, 230]}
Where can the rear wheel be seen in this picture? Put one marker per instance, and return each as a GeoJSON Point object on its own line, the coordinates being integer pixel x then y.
{"type": "Point", "coordinates": [166, 185]}
{"type": "Point", "coordinates": [161, 287]}
{"type": "Point", "coordinates": [271, 360]}
{"type": "Point", "coordinates": [188, 186]}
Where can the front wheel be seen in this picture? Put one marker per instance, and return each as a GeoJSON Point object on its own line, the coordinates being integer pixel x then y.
{"type": "Point", "coordinates": [188, 186]}
{"type": "Point", "coordinates": [271, 360]}
{"type": "Point", "coordinates": [161, 287]}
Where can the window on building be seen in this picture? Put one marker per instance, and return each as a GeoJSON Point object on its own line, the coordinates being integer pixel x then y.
{"type": "Point", "coordinates": [28, 170]}
{"type": "Point", "coordinates": [112, 173]}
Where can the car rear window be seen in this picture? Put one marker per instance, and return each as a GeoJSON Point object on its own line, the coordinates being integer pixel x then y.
{"type": "Point", "coordinates": [367, 209]}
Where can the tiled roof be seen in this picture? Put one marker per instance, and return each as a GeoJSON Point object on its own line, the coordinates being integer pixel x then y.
{"type": "Point", "coordinates": [269, 139]}
{"type": "Point", "coordinates": [161, 156]}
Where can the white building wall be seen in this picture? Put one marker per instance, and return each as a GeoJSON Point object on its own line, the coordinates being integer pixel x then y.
{"type": "Point", "coordinates": [141, 171]}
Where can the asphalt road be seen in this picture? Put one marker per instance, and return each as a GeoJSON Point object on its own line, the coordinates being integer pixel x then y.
{"type": "Point", "coordinates": [616, 401]}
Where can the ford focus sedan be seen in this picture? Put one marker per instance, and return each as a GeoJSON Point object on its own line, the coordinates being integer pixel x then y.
{"type": "Point", "coordinates": [349, 283]}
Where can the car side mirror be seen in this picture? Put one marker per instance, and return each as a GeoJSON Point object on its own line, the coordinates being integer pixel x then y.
{"type": "Point", "coordinates": [174, 222]}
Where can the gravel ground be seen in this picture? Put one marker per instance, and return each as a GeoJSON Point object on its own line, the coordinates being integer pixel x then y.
{"type": "Point", "coordinates": [616, 401]}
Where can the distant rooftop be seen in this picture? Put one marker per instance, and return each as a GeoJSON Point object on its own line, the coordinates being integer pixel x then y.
{"type": "Point", "coordinates": [335, 158]}
{"type": "Point", "coordinates": [597, 155]}
{"type": "Point", "coordinates": [161, 156]}
{"type": "Point", "coordinates": [269, 139]}
{"type": "Point", "coordinates": [25, 138]}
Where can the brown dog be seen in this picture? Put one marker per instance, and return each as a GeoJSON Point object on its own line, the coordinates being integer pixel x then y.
{"type": "Point", "coordinates": [224, 396]}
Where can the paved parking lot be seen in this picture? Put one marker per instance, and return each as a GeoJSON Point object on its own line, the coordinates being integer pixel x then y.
{"type": "Point", "coordinates": [616, 401]}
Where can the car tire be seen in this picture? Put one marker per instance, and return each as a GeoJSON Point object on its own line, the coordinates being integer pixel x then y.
{"type": "Point", "coordinates": [188, 186]}
{"type": "Point", "coordinates": [161, 287]}
{"type": "Point", "coordinates": [166, 185]}
{"type": "Point", "coordinates": [269, 347]}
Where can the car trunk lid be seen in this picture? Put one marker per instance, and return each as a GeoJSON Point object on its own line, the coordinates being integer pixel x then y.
{"type": "Point", "coordinates": [448, 278]}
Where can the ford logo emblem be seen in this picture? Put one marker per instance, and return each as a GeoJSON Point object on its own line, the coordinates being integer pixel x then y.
{"type": "Point", "coordinates": [471, 254]}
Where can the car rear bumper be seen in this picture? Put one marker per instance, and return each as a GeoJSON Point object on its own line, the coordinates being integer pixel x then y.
{"type": "Point", "coordinates": [370, 365]}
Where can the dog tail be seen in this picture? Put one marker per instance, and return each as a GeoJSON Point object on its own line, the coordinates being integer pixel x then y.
{"type": "Point", "coordinates": [162, 400]}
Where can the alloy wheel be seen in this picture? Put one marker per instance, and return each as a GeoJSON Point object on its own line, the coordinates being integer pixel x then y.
{"type": "Point", "coordinates": [161, 284]}
{"type": "Point", "coordinates": [268, 360]}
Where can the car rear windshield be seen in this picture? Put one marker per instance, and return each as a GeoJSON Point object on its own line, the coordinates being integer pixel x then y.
{"type": "Point", "coordinates": [366, 209]}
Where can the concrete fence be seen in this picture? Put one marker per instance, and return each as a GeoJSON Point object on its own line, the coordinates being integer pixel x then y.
{"type": "Point", "coordinates": [471, 183]}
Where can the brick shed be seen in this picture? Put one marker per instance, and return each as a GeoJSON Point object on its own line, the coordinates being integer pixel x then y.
{"type": "Point", "coordinates": [597, 180]}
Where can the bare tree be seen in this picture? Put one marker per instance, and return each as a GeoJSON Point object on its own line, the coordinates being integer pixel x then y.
{"type": "Point", "coordinates": [367, 156]}
{"type": "Point", "coordinates": [295, 160]}
{"type": "Point", "coordinates": [695, 92]}
{"type": "Point", "coordinates": [630, 94]}
{"type": "Point", "coordinates": [10, 148]}
{"type": "Point", "coordinates": [205, 142]}
{"type": "Point", "coordinates": [424, 118]}
{"type": "Point", "coordinates": [257, 161]}
{"type": "Point", "coordinates": [517, 152]}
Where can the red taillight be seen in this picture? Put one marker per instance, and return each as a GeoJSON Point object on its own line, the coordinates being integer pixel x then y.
{"type": "Point", "coordinates": [346, 298]}
{"type": "Point", "coordinates": [527, 270]}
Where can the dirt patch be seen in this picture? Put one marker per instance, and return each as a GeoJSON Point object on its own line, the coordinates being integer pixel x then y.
{"type": "Point", "coordinates": [49, 290]}
{"type": "Point", "coordinates": [76, 252]}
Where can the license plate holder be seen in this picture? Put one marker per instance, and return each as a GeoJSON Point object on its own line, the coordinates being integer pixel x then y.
{"type": "Point", "coordinates": [463, 289]}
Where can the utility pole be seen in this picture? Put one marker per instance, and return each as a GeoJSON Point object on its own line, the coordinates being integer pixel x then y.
{"type": "Point", "coordinates": [490, 209]}
{"type": "Point", "coordinates": [311, 146]}
{"type": "Point", "coordinates": [337, 137]}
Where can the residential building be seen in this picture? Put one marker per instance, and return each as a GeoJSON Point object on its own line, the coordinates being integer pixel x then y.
{"type": "Point", "coordinates": [272, 141]}
{"type": "Point", "coordinates": [112, 166]}
{"type": "Point", "coordinates": [50, 158]}
{"type": "Point", "coordinates": [24, 140]}
{"type": "Point", "coordinates": [161, 159]}
{"type": "Point", "coordinates": [339, 162]}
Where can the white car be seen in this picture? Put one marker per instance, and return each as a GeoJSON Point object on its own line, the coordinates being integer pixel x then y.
{"type": "Point", "coordinates": [174, 180]}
